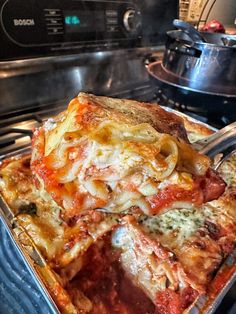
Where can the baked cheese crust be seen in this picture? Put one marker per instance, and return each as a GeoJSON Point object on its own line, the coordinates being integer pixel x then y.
{"type": "Point", "coordinates": [121, 258]}
{"type": "Point", "coordinates": [121, 156]}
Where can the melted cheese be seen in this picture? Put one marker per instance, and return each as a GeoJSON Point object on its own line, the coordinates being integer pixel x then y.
{"type": "Point", "coordinates": [89, 154]}
{"type": "Point", "coordinates": [228, 170]}
{"type": "Point", "coordinates": [56, 132]}
{"type": "Point", "coordinates": [183, 223]}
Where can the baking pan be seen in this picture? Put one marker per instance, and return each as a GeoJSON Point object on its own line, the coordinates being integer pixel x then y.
{"type": "Point", "coordinates": [17, 248]}
{"type": "Point", "coordinates": [42, 276]}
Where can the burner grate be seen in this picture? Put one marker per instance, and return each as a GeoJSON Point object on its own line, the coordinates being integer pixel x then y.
{"type": "Point", "coordinates": [166, 98]}
{"type": "Point", "coordinates": [16, 127]}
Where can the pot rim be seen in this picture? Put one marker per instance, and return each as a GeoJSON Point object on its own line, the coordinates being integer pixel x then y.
{"type": "Point", "coordinates": [198, 44]}
{"type": "Point", "coordinates": [167, 77]}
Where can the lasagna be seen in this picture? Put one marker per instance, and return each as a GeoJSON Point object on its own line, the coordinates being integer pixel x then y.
{"type": "Point", "coordinates": [119, 156]}
{"type": "Point", "coordinates": [114, 199]}
{"type": "Point", "coordinates": [174, 256]}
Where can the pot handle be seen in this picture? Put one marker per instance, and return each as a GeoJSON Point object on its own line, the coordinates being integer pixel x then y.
{"type": "Point", "coordinates": [178, 38]}
{"type": "Point", "coordinates": [228, 42]}
{"type": "Point", "coordinates": [189, 30]}
{"type": "Point", "coordinates": [184, 49]}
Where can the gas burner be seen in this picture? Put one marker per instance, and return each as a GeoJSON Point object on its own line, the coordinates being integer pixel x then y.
{"type": "Point", "coordinates": [165, 98]}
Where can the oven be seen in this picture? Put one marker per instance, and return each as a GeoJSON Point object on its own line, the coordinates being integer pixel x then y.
{"type": "Point", "coordinates": [50, 51]}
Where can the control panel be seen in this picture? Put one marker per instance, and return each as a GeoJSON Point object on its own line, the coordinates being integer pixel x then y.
{"type": "Point", "coordinates": [34, 28]}
{"type": "Point", "coordinates": [69, 24]}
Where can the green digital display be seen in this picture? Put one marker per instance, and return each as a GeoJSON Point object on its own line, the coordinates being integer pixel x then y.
{"type": "Point", "coordinates": [72, 20]}
{"type": "Point", "coordinates": [84, 21]}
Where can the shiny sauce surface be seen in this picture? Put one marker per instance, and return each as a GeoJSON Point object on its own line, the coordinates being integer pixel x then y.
{"type": "Point", "coordinates": [104, 282]}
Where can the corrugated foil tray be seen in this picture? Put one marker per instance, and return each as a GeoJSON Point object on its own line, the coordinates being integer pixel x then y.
{"type": "Point", "coordinates": [21, 287]}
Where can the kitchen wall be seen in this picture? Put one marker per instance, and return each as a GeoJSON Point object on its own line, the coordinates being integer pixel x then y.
{"type": "Point", "coordinates": [207, 10]}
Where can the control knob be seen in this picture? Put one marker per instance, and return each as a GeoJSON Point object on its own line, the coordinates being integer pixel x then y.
{"type": "Point", "coordinates": [132, 20]}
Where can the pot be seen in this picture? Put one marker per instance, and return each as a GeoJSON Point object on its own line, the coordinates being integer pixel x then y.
{"type": "Point", "coordinates": [207, 65]}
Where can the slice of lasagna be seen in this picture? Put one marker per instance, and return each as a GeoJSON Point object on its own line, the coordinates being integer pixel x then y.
{"type": "Point", "coordinates": [174, 256]}
{"type": "Point", "coordinates": [119, 156]}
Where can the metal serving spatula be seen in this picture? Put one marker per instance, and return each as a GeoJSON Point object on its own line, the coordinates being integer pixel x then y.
{"type": "Point", "coordinates": [221, 142]}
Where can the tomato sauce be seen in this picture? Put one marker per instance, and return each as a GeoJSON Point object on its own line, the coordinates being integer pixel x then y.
{"type": "Point", "coordinates": [104, 282]}
{"type": "Point", "coordinates": [206, 188]}
{"type": "Point", "coordinates": [171, 194]}
{"type": "Point", "coordinates": [171, 302]}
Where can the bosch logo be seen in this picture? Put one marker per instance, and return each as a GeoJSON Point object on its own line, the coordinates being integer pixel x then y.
{"type": "Point", "coordinates": [24, 22]}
